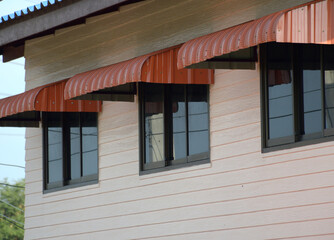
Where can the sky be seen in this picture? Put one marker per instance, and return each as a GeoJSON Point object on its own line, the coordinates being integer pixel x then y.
{"type": "Point", "coordinates": [12, 141]}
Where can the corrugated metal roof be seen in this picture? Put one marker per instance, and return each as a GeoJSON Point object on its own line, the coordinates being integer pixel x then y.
{"type": "Point", "coordinates": [47, 98]}
{"type": "Point", "coordinates": [310, 23]}
{"type": "Point", "coordinates": [28, 10]}
{"type": "Point", "coordinates": [157, 67]}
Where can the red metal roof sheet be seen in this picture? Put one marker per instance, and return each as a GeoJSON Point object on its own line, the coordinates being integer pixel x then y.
{"type": "Point", "coordinates": [310, 23]}
{"type": "Point", "coordinates": [157, 67]}
{"type": "Point", "coordinates": [48, 98]}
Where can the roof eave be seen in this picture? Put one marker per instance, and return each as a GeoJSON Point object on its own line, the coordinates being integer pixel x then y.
{"type": "Point", "coordinates": [39, 23]}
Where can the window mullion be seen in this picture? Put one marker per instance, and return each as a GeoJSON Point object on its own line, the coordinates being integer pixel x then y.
{"type": "Point", "coordinates": [297, 95]}
{"type": "Point", "coordinates": [142, 130]}
{"type": "Point", "coordinates": [66, 150]}
{"type": "Point", "coordinates": [186, 119]}
{"type": "Point", "coordinates": [46, 149]}
{"type": "Point", "coordinates": [168, 125]}
{"type": "Point", "coordinates": [80, 140]}
{"type": "Point", "coordinates": [264, 97]}
{"type": "Point", "coordinates": [322, 70]}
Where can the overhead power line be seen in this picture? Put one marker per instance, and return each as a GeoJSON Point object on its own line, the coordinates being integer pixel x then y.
{"type": "Point", "coordinates": [11, 220]}
{"type": "Point", "coordinates": [16, 63]}
{"type": "Point", "coordinates": [9, 185]}
{"type": "Point", "coordinates": [6, 202]}
{"type": "Point", "coordinates": [11, 165]}
{"type": "Point", "coordinates": [12, 135]}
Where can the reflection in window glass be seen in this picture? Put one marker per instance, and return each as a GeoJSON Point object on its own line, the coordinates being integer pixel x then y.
{"type": "Point", "coordinates": [72, 148]}
{"type": "Point", "coordinates": [55, 154]}
{"type": "Point", "coordinates": [312, 101]}
{"type": "Point", "coordinates": [280, 107]}
{"type": "Point", "coordinates": [73, 121]}
{"type": "Point", "coordinates": [89, 150]}
{"type": "Point", "coordinates": [280, 100]}
{"type": "Point", "coordinates": [329, 85]}
{"type": "Point", "coordinates": [176, 124]}
{"type": "Point", "coordinates": [179, 122]}
{"type": "Point", "coordinates": [309, 60]}
{"type": "Point", "coordinates": [329, 98]}
{"type": "Point", "coordinates": [300, 105]}
{"type": "Point", "coordinates": [89, 144]}
{"type": "Point", "coordinates": [75, 153]}
{"type": "Point", "coordinates": [154, 123]}
{"type": "Point", "coordinates": [198, 120]}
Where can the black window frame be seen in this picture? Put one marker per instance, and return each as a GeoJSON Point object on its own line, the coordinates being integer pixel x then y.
{"type": "Point", "coordinates": [66, 181]}
{"type": "Point", "coordinates": [298, 138]}
{"type": "Point", "coordinates": [169, 163]}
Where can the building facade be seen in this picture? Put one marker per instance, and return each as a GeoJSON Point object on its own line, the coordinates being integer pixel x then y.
{"type": "Point", "coordinates": [179, 120]}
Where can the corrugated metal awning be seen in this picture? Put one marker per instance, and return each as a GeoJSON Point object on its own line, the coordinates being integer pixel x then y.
{"type": "Point", "coordinates": [310, 23]}
{"type": "Point", "coordinates": [23, 109]}
{"type": "Point", "coordinates": [157, 67]}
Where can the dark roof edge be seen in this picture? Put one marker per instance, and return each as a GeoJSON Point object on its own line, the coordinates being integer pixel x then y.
{"type": "Point", "coordinates": [33, 10]}
{"type": "Point", "coordinates": [46, 20]}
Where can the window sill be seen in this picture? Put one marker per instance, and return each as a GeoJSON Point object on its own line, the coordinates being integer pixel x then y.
{"type": "Point", "coordinates": [70, 186]}
{"type": "Point", "coordinates": [302, 143]}
{"type": "Point", "coordinates": [173, 167]}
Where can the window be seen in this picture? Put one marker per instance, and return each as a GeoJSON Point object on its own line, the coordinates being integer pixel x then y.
{"type": "Point", "coordinates": [297, 87]}
{"type": "Point", "coordinates": [174, 124]}
{"type": "Point", "coordinates": [70, 148]}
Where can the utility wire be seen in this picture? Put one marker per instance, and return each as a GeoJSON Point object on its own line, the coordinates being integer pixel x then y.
{"type": "Point", "coordinates": [16, 63]}
{"type": "Point", "coordinates": [11, 165]}
{"type": "Point", "coordinates": [11, 220]}
{"type": "Point", "coordinates": [11, 135]}
{"type": "Point", "coordinates": [6, 202]}
{"type": "Point", "coordinates": [9, 185]}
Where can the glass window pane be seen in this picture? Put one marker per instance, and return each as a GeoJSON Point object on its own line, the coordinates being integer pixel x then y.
{"type": "Point", "coordinates": [154, 123]}
{"type": "Point", "coordinates": [179, 121]}
{"type": "Point", "coordinates": [310, 65]}
{"type": "Point", "coordinates": [198, 119]}
{"type": "Point", "coordinates": [280, 109]}
{"type": "Point", "coordinates": [329, 98]}
{"type": "Point", "coordinates": [329, 85]}
{"type": "Point", "coordinates": [280, 98]}
{"type": "Point", "coordinates": [55, 154]}
{"type": "Point", "coordinates": [89, 144]}
{"type": "Point", "coordinates": [73, 121]}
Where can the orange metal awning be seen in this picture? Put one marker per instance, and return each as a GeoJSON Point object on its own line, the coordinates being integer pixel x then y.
{"type": "Point", "coordinates": [310, 23]}
{"type": "Point", "coordinates": [157, 67]}
{"type": "Point", "coordinates": [23, 109]}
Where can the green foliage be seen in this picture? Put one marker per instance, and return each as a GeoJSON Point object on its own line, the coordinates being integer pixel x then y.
{"type": "Point", "coordinates": [11, 200]}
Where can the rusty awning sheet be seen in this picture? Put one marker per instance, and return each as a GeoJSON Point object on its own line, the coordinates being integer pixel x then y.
{"type": "Point", "coordinates": [157, 67]}
{"type": "Point", "coordinates": [23, 110]}
{"type": "Point", "coordinates": [309, 23]}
